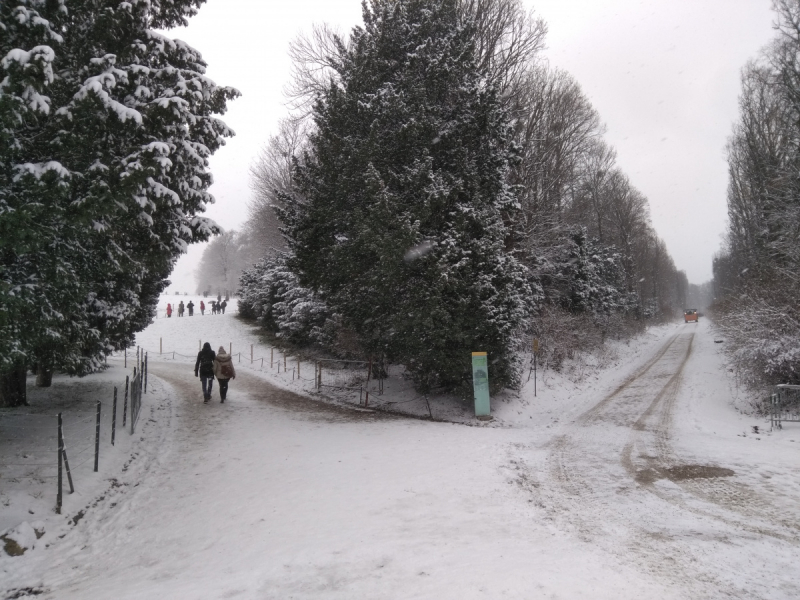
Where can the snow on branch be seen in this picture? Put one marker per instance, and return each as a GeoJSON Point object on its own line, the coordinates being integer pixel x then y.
{"type": "Point", "coordinates": [161, 191]}
{"type": "Point", "coordinates": [39, 170]}
{"type": "Point", "coordinates": [97, 86]}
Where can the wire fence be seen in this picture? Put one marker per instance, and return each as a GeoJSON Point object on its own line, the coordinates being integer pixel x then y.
{"type": "Point", "coordinates": [784, 405]}
{"type": "Point", "coordinates": [364, 383]}
{"type": "Point", "coordinates": [43, 452]}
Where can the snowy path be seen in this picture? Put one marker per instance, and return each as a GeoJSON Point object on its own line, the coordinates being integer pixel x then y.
{"type": "Point", "coordinates": [275, 495]}
{"type": "Point", "coordinates": [615, 478]}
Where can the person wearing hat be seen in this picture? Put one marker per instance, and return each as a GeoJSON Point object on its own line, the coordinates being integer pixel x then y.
{"type": "Point", "coordinates": [224, 371]}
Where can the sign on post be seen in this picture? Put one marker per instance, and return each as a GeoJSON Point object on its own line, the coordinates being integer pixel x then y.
{"type": "Point", "coordinates": [480, 383]}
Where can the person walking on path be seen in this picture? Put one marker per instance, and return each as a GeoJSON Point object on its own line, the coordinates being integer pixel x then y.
{"type": "Point", "coordinates": [202, 308]}
{"type": "Point", "coordinates": [222, 306]}
{"type": "Point", "coordinates": [204, 368]}
{"type": "Point", "coordinates": [224, 371]}
{"type": "Point", "coordinates": [180, 309]}
{"type": "Point", "coordinates": [213, 307]}
{"type": "Point", "coordinates": [169, 310]}
{"type": "Point", "coordinates": [190, 306]}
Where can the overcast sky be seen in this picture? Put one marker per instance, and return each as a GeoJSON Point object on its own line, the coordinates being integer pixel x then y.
{"type": "Point", "coordinates": [663, 74]}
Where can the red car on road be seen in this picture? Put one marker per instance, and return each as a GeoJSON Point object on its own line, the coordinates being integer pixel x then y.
{"type": "Point", "coordinates": [690, 315]}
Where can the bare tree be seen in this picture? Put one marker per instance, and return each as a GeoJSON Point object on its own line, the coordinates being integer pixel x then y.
{"type": "Point", "coordinates": [315, 65]}
{"type": "Point", "coordinates": [508, 40]}
{"type": "Point", "coordinates": [590, 203]}
{"type": "Point", "coordinates": [222, 263]}
{"type": "Point", "coordinates": [757, 272]}
{"type": "Point", "coordinates": [270, 178]}
{"type": "Point", "coordinates": [555, 129]}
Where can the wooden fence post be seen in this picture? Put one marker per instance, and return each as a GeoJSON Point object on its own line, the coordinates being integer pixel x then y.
{"type": "Point", "coordinates": [114, 417]}
{"type": "Point", "coordinates": [67, 469]}
{"type": "Point", "coordinates": [125, 403]}
{"type": "Point", "coordinates": [97, 439]}
{"type": "Point", "coordinates": [60, 467]}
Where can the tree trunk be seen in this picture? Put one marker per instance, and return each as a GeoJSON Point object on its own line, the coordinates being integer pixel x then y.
{"type": "Point", "coordinates": [44, 377]}
{"type": "Point", "coordinates": [13, 391]}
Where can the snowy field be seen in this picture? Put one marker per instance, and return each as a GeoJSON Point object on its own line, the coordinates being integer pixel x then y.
{"type": "Point", "coordinates": [637, 477]}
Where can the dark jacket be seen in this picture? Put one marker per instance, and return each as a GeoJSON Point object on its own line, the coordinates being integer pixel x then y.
{"type": "Point", "coordinates": [205, 361]}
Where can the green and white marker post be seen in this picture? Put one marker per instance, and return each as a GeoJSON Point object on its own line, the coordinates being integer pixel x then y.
{"type": "Point", "coordinates": [480, 384]}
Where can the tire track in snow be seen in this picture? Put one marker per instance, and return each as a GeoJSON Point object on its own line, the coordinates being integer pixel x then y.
{"type": "Point", "coordinates": [594, 499]}
{"type": "Point", "coordinates": [739, 503]}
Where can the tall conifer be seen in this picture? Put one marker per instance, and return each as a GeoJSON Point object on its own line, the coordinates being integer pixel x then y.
{"type": "Point", "coordinates": [106, 127]}
{"type": "Point", "coordinates": [399, 217]}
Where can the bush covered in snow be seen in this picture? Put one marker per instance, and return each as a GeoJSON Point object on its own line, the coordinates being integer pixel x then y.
{"type": "Point", "coordinates": [271, 293]}
{"type": "Point", "coordinates": [563, 334]}
{"type": "Point", "coordinates": [761, 329]}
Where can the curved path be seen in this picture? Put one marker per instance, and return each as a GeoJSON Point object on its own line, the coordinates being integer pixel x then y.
{"type": "Point", "coordinates": [275, 495]}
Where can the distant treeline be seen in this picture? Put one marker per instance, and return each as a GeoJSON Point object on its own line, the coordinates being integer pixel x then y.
{"type": "Point", "coordinates": [757, 271]}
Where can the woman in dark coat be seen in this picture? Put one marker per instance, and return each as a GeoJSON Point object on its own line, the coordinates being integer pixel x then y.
{"type": "Point", "coordinates": [204, 368]}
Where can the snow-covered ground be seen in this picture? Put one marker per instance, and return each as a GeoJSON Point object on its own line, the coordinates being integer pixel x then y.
{"type": "Point", "coordinates": [640, 479]}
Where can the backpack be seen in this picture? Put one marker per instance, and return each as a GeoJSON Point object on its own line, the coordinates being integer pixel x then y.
{"type": "Point", "coordinates": [207, 366]}
{"type": "Point", "coordinates": [226, 370]}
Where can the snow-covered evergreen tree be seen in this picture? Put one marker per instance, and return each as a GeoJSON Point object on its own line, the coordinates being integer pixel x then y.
{"type": "Point", "coordinates": [271, 293]}
{"type": "Point", "coordinates": [594, 277]}
{"type": "Point", "coordinates": [106, 127]}
{"type": "Point", "coordinates": [398, 219]}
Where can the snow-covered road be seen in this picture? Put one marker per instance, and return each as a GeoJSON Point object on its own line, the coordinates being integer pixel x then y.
{"type": "Point", "coordinates": [689, 515]}
{"type": "Point", "coordinates": [650, 490]}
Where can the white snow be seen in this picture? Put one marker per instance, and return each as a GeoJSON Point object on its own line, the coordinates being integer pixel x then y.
{"type": "Point", "coordinates": [278, 494]}
{"type": "Point", "coordinates": [39, 170]}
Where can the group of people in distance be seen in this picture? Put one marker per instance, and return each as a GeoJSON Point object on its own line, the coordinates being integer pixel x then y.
{"type": "Point", "coordinates": [210, 365]}
{"type": "Point", "coordinates": [217, 307]}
